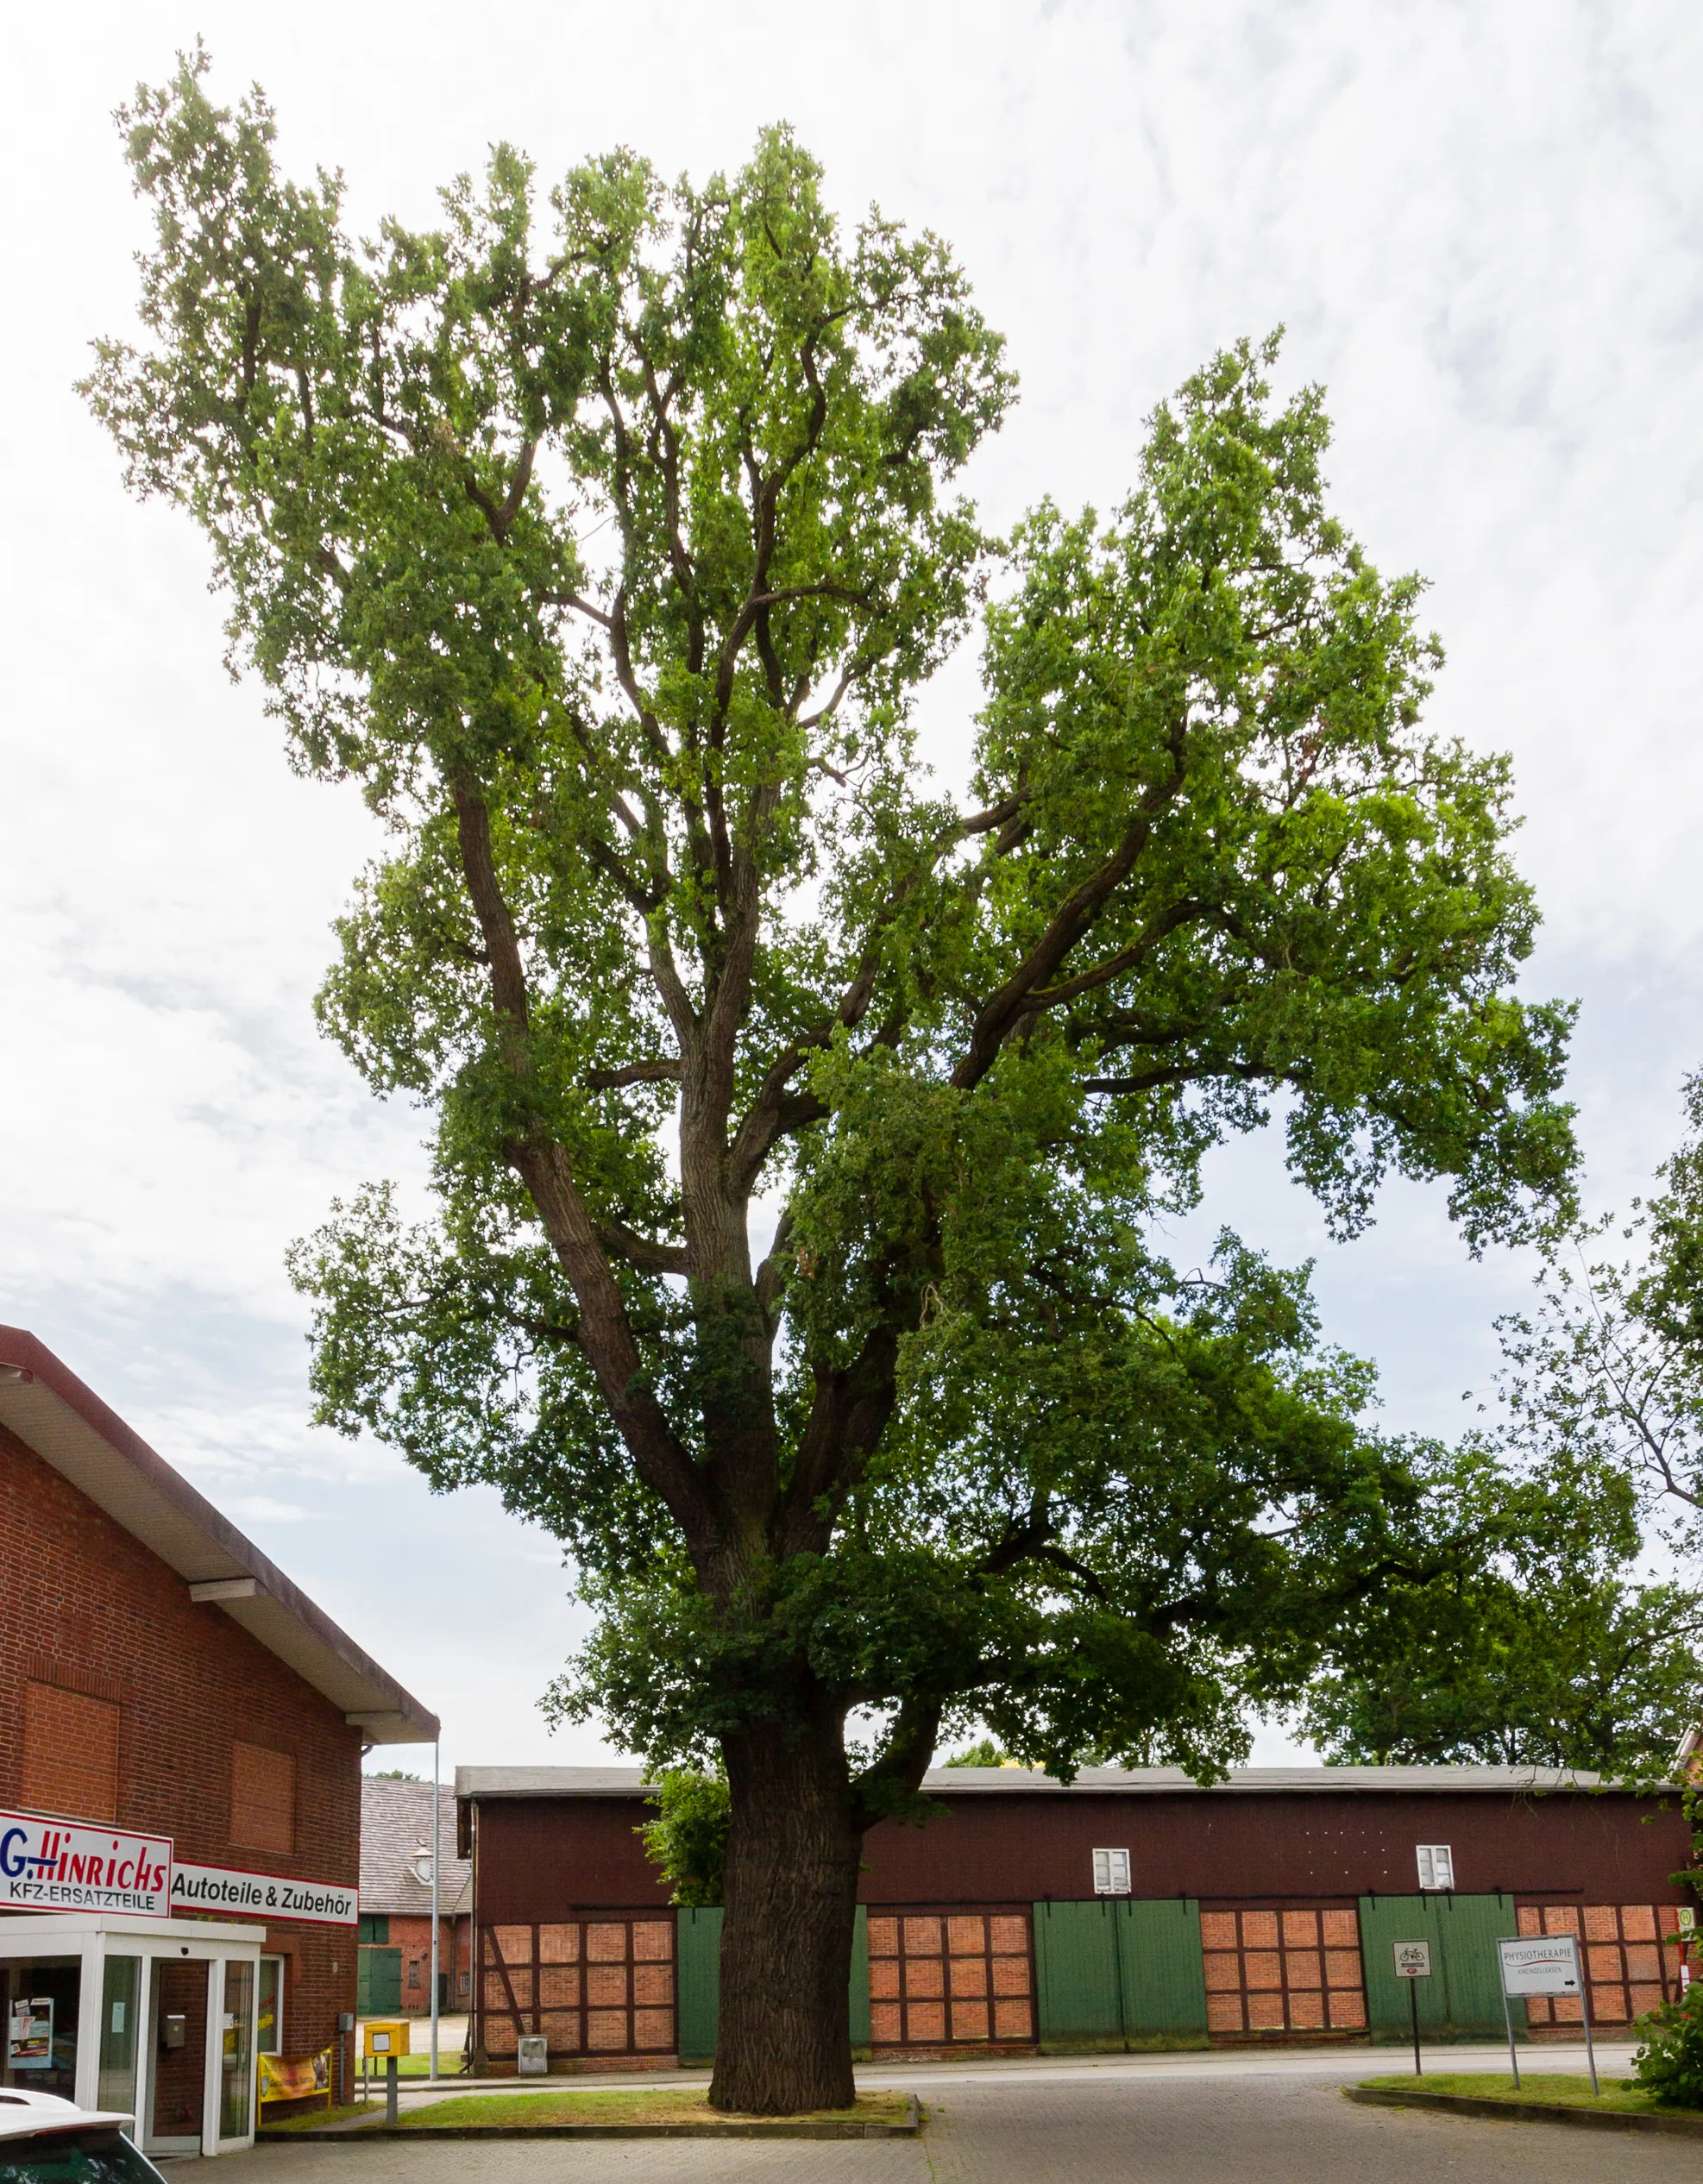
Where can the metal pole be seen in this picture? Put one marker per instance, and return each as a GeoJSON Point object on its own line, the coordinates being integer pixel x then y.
{"type": "Point", "coordinates": [1585, 2005]}
{"type": "Point", "coordinates": [1413, 1997]}
{"type": "Point", "coordinates": [1508, 2015]}
{"type": "Point", "coordinates": [390, 2087]}
{"type": "Point", "coordinates": [435, 1801]}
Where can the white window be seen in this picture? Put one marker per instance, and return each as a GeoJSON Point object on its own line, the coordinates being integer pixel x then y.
{"type": "Point", "coordinates": [1436, 1865]}
{"type": "Point", "coordinates": [1111, 1873]}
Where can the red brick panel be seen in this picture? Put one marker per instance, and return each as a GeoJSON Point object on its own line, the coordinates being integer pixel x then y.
{"type": "Point", "coordinates": [262, 1797]}
{"type": "Point", "coordinates": [70, 1754]}
{"type": "Point", "coordinates": [1631, 1961]}
{"type": "Point", "coordinates": [951, 1978]}
{"type": "Point", "coordinates": [600, 1986]}
{"type": "Point", "coordinates": [1294, 1969]}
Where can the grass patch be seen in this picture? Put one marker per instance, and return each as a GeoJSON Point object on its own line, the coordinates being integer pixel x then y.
{"type": "Point", "coordinates": [1563, 2088]}
{"type": "Point", "coordinates": [412, 2066]}
{"type": "Point", "coordinates": [314, 2118]}
{"type": "Point", "coordinates": [640, 2105]}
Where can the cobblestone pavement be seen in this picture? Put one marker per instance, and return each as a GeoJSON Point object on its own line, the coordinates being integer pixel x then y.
{"type": "Point", "coordinates": [1046, 2130]}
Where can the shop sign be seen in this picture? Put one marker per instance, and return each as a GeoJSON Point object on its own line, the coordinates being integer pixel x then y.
{"type": "Point", "coordinates": [61, 1865]}
{"type": "Point", "coordinates": [1545, 1966]}
{"type": "Point", "coordinates": [226, 1888]}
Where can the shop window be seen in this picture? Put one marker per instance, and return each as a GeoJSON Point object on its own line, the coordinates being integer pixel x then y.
{"type": "Point", "coordinates": [1436, 1866]}
{"type": "Point", "coordinates": [121, 1997]}
{"type": "Point", "coordinates": [1111, 1873]}
{"type": "Point", "coordinates": [70, 1754]}
{"type": "Point", "coordinates": [262, 1797]}
{"type": "Point", "coordinates": [269, 2009]}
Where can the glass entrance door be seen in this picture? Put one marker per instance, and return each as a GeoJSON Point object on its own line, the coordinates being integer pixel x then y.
{"type": "Point", "coordinates": [177, 2045]}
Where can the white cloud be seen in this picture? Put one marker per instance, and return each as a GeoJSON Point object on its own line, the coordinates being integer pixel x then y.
{"type": "Point", "coordinates": [1480, 227]}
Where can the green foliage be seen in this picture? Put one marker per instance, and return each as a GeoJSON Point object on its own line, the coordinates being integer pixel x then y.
{"type": "Point", "coordinates": [1547, 1654]}
{"type": "Point", "coordinates": [1668, 2066]}
{"type": "Point", "coordinates": [687, 1841]}
{"type": "Point", "coordinates": [604, 544]}
{"type": "Point", "coordinates": [983, 1753]}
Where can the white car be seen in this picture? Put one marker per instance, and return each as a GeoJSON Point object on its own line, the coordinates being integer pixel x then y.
{"type": "Point", "coordinates": [45, 2140]}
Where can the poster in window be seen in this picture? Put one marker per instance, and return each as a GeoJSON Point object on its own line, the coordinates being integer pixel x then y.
{"type": "Point", "coordinates": [29, 2033]}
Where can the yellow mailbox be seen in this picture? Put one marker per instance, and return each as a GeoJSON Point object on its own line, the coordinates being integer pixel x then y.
{"type": "Point", "coordinates": [385, 2037]}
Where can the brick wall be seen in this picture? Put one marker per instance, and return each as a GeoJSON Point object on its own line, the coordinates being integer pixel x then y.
{"type": "Point", "coordinates": [413, 1938]}
{"type": "Point", "coordinates": [86, 1609]}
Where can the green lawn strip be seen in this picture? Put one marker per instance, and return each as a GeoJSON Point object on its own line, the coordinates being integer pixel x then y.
{"type": "Point", "coordinates": [1560, 2088]}
{"type": "Point", "coordinates": [315, 2119]}
{"type": "Point", "coordinates": [640, 2105]}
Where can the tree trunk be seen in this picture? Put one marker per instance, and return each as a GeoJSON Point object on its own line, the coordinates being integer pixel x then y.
{"type": "Point", "coordinates": [783, 2041]}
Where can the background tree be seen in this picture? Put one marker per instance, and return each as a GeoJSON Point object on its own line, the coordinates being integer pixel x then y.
{"type": "Point", "coordinates": [1608, 1366]}
{"type": "Point", "coordinates": [606, 563]}
{"type": "Point", "coordinates": [1548, 1654]}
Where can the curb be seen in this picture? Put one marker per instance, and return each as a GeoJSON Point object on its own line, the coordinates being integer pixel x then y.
{"type": "Point", "coordinates": [1527, 2111]}
{"type": "Point", "coordinates": [762, 2127]}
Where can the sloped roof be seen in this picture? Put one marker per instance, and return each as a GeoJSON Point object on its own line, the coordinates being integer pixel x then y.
{"type": "Point", "coordinates": [68, 1427]}
{"type": "Point", "coordinates": [395, 1820]}
{"type": "Point", "coordinates": [1104, 1781]}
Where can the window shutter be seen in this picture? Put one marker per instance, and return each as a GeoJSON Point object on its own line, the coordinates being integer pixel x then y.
{"type": "Point", "coordinates": [262, 1798]}
{"type": "Point", "coordinates": [70, 1755]}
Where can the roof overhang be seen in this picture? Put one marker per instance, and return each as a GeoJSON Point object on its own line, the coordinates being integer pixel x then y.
{"type": "Point", "coordinates": [512, 1782]}
{"type": "Point", "coordinates": [65, 1423]}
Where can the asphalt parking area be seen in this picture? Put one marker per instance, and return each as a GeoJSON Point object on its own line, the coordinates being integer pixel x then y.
{"type": "Point", "coordinates": [1047, 2128]}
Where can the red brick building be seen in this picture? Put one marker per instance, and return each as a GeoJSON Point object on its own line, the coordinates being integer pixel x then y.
{"type": "Point", "coordinates": [1130, 1909]}
{"type": "Point", "coordinates": [396, 1853]}
{"type": "Point", "coordinates": [160, 1680]}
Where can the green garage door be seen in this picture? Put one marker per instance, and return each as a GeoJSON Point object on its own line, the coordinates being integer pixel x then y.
{"type": "Point", "coordinates": [1463, 1996]}
{"type": "Point", "coordinates": [377, 1991]}
{"type": "Point", "coordinates": [1119, 1973]}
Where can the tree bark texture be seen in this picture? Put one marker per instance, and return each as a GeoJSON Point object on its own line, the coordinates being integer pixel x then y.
{"type": "Point", "coordinates": [793, 1849]}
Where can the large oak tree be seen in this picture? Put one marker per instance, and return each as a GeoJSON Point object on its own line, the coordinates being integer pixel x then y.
{"type": "Point", "coordinates": [605, 549]}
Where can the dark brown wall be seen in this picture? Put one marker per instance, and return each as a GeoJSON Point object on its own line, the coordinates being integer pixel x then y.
{"type": "Point", "coordinates": [86, 1606]}
{"type": "Point", "coordinates": [1264, 1843]}
{"type": "Point", "coordinates": [544, 1858]}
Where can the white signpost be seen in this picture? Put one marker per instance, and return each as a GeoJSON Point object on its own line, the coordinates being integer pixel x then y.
{"type": "Point", "coordinates": [1545, 1964]}
{"type": "Point", "coordinates": [1413, 1963]}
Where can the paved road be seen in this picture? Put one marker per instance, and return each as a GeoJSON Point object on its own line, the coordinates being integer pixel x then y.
{"type": "Point", "coordinates": [1049, 2127]}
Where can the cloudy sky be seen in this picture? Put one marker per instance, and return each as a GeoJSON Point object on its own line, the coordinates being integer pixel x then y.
{"type": "Point", "coordinates": [1480, 224]}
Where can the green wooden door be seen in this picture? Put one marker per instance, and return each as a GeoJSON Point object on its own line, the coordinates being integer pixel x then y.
{"type": "Point", "coordinates": [1463, 1996]}
{"type": "Point", "coordinates": [1076, 1967]}
{"type": "Point", "coordinates": [1119, 1972]}
{"type": "Point", "coordinates": [698, 1968]}
{"type": "Point", "coordinates": [378, 1984]}
{"type": "Point", "coordinates": [1163, 1976]}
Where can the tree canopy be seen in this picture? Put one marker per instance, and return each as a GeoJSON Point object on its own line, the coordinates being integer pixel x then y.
{"type": "Point", "coordinates": [1549, 1652]}
{"type": "Point", "coordinates": [800, 1126]}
